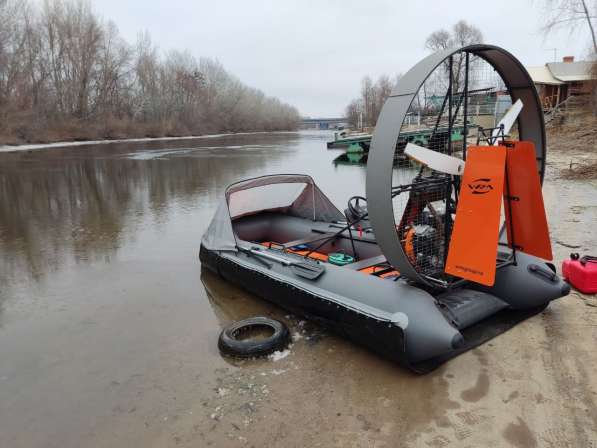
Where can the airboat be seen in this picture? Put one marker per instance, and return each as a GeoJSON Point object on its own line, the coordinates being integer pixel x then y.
{"type": "Point", "coordinates": [439, 257]}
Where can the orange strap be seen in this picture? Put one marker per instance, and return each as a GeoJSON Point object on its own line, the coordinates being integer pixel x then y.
{"type": "Point", "coordinates": [473, 246]}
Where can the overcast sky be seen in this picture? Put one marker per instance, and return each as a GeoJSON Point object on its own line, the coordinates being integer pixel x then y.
{"type": "Point", "coordinates": [313, 54]}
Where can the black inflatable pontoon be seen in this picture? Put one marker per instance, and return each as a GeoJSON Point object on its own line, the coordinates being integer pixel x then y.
{"type": "Point", "coordinates": [273, 236]}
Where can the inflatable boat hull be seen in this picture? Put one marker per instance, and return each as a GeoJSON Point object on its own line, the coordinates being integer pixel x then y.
{"type": "Point", "coordinates": [392, 318]}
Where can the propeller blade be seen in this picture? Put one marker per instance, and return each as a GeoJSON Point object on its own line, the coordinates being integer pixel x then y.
{"type": "Point", "coordinates": [508, 120]}
{"type": "Point", "coordinates": [473, 246]}
{"type": "Point", "coordinates": [435, 160]}
{"type": "Point", "coordinates": [453, 165]}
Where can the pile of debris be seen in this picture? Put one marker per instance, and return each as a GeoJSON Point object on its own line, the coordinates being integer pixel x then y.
{"type": "Point", "coordinates": [576, 135]}
{"type": "Point", "coordinates": [583, 171]}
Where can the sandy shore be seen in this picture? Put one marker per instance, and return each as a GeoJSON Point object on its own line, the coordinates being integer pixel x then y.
{"type": "Point", "coordinates": [530, 387]}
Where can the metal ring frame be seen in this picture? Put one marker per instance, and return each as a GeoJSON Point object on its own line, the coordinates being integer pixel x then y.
{"type": "Point", "coordinates": [381, 155]}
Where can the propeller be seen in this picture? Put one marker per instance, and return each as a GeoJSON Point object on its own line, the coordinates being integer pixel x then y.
{"type": "Point", "coordinates": [435, 160]}
{"type": "Point", "coordinates": [485, 185]}
{"type": "Point", "coordinates": [453, 165]}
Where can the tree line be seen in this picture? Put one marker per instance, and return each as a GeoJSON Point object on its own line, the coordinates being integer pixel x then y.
{"type": "Point", "coordinates": [65, 73]}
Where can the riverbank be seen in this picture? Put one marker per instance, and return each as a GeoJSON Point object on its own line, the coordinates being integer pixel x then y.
{"type": "Point", "coordinates": [574, 141]}
{"type": "Point", "coordinates": [67, 144]}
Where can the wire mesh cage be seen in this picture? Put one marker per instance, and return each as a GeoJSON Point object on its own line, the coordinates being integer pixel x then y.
{"type": "Point", "coordinates": [453, 109]}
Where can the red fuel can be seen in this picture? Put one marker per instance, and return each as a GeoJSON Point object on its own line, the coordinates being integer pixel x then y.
{"type": "Point", "coordinates": [581, 273]}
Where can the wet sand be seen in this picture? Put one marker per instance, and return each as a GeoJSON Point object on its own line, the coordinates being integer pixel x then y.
{"type": "Point", "coordinates": [108, 326]}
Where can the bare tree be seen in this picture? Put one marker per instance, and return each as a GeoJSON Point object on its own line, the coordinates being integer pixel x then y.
{"type": "Point", "coordinates": [112, 83]}
{"type": "Point", "coordinates": [368, 99]}
{"type": "Point", "coordinates": [12, 43]}
{"type": "Point", "coordinates": [461, 34]}
{"type": "Point", "coordinates": [438, 40]}
{"type": "Point", "coordinates": [365, 109]}
{"type": "Point", "coordinates": [594, 87]}
{"type": "Point", "coordinates": [575, 15]}
{"type": "Point", "coordinates": [352, 112]}
{"type": "Point", "coordinates": [65, 71]}
{"type": "Point", "coordinates": [382, 90]}
{"type": "Point", "coordinates": [571, 15]}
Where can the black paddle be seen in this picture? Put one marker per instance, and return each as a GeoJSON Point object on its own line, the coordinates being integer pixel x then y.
{"type": "Point", "coordinates": [310, 271]}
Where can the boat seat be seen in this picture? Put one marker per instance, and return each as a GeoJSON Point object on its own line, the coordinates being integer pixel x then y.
{"type": "Point", "coordinates": [367, 262]}
{"type": "Point", "coordinates": [309, 239]}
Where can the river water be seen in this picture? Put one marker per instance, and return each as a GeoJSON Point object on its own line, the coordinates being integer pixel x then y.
{"type": "Point", "coordinates": [103, 311]}
{"type": "Point", "coordinates": [63, 210]}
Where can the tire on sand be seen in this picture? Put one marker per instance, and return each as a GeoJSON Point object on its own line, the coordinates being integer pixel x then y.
{"type": "Point", "coordinates": [230, 344]}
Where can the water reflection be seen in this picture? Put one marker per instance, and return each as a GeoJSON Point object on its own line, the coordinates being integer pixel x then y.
{"type": "Point", "coordinates": [351, 159]}
{"type": "Point", "coordinates": [78, 205]}
{"type": "Point", "coordinates": [229, 303]}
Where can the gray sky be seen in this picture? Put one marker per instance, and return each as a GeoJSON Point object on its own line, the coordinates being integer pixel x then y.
{"type": "Point", "coordinates": [313, 54]}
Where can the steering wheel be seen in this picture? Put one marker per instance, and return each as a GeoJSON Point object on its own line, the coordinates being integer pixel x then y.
{"type": "Point", "coordinates": [355, 208]}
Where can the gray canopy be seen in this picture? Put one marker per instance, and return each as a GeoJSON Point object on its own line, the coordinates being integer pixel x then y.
{"type": "Point", "coordinates": [293, 194]}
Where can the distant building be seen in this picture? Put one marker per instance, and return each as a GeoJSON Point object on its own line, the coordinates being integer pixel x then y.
{"type": "Point", "coordinates": [557, 81]}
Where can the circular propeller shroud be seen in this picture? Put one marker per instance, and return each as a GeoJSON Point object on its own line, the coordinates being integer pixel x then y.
{"type": "Point", "coordinates": [380, 165]}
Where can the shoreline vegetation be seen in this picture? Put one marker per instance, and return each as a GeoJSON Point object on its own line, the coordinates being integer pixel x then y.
{"type": "Point", "coordinates": [67, 75]}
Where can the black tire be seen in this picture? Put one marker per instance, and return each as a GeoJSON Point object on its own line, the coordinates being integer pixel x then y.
{"type": "Point", "coordinates": [249, 348]}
